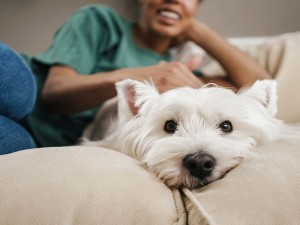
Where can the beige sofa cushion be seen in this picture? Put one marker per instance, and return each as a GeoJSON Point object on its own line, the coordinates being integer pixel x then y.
{"type": "Point", "coordinates": [89, 186]}
{"type": "Point", "coordinates": [280, 56]}
{"type": "Point", "coordinates": [82, 186]}
{"type": "Point", "coordinates": [263, 190]}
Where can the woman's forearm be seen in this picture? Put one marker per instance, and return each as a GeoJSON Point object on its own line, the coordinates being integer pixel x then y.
{"type": "Point", "coordinates": [67, 92]}
{"type": "Point", "coordinates": [240, 67]}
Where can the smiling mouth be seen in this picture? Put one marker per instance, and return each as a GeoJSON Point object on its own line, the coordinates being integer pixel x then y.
{"type": "Point", "coordinates": [169, 15]}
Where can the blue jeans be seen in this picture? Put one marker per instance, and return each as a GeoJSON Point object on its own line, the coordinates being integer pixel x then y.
{"type": "Point", "coordinates": [17, 98]}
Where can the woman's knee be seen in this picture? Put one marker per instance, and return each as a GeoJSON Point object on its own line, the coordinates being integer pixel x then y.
{"type": "Point", "coordinates": [18, 87]}
{"type": "Point", "coordinates": [13, 137]}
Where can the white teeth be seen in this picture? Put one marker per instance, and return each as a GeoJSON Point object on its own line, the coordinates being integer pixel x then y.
{"type": "Point", "coordinates": [169, 14]}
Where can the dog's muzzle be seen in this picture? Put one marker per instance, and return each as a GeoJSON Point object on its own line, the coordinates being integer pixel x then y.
{"type": "Point", "coordinates": [199, 165]}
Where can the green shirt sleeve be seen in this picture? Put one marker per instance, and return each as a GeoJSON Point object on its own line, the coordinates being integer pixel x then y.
{"type": "Point", "coordinates": [79, 41]}
{"type": "Point", "coordinates": [94, 39]}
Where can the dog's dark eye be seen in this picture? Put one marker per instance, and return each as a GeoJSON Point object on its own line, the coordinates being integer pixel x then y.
{"type": "Point", "coordinates": [226, 126]}
{"type": "Point", "coordinates": [170, 126]}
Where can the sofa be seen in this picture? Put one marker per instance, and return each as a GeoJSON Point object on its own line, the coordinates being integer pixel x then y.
{"type": "Point", "coordinates": [81, 185]}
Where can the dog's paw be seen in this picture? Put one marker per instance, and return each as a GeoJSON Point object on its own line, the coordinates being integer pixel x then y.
{"type": "Point", "coordinates": [84, 141]}
{"type": "Point", "coordinates": [87, 142]}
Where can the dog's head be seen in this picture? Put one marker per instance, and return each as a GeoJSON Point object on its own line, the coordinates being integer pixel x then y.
{"type": "Point", "coordinates": [192, 137]}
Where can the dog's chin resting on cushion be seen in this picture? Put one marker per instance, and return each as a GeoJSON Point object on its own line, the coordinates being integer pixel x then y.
{"type": "Point", "coordinates": [187, 137]}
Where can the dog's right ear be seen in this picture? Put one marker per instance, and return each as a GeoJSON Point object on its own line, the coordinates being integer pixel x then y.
{"type": "Point", "coordinates": [264, 92]}
{"type": "Point", "coordinates": [133, 96]}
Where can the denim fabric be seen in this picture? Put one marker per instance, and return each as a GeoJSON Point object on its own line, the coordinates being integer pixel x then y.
{"type": "Point", "coordinates": [17, 85]}
{"type": "Point", "coordinates": [13, 137]}
{"type": "Point", "coordinates": [17, 98]}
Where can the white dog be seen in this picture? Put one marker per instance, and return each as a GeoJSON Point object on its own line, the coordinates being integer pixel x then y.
{"type": "Point", "coordinates": [187, 137]}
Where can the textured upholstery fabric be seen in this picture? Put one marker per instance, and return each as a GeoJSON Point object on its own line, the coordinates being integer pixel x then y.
{"type": "Point", "coordinates": [262, 190]}
{"type": "Point", "coordinates": [82, 186]}
{"type": "Point", "coordinates": [89, 186]}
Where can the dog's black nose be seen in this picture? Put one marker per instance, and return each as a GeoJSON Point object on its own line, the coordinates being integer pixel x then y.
{"type": "Point", "coordinates": [199, 165]}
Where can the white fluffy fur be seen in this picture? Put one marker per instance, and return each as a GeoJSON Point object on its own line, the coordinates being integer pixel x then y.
{"type": "Point", "coordinates": [138, 129]}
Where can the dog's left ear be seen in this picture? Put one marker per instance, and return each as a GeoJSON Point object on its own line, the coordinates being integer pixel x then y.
{"type": "Point", "coordinates": [132, 95]}
{"type": "Point", "coordinates": [265, 92]}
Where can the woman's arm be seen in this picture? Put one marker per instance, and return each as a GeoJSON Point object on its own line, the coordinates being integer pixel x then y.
{"type": "Point", "coordinates": [240, 67]}
{"type": "Point", "coordinates": [65, 91]}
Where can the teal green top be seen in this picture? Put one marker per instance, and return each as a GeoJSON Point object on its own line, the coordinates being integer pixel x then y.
{"type": "Point", "coordinates": [94, 39]}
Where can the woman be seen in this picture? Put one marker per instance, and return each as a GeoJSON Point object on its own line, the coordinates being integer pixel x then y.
{"type": "Point", "coordinates": [96, 48]}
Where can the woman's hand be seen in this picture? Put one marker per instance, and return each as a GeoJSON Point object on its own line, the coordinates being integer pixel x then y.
{"type": "Point", "coordinates": [190, 33]}
{"type": "Point", "coordinates": [165, 76]}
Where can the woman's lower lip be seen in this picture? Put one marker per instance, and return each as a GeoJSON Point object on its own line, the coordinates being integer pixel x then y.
{"type": "Point", "coordinates": [166, 21]}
